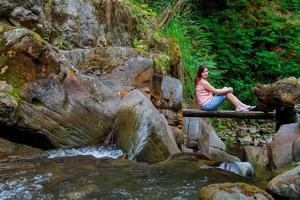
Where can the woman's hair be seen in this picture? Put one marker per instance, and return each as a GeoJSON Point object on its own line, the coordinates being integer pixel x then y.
{"type": "Point", "coordinates": [200, 70]}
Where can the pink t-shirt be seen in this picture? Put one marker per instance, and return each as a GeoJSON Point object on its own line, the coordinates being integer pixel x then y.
{"type": "Point", "coordinates": [203, 95]}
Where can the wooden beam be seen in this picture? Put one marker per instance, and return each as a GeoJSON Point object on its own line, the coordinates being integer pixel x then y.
{"type": "Point", "coordinates": [228, 114]}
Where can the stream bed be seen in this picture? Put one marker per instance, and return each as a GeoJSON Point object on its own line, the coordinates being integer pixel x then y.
{"type": "Point", "coordinates": [102, 173]}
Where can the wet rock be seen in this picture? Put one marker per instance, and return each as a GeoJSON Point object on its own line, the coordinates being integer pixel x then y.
{"type": "Point", "coordinates": [9, 150]}
{"type": "Point", "coordinates": [241, 168]}
{"type": "Point", "coordinates": [141, 131]}
{"type": "Point", "coordinates": [221, 156]}
{"type": "Point", "coordinates": [286, 184]}
{"type": "Point", "coordinates": [281, 148]}
{"type": "Point", "coordinates": [233, 191]}
{"type": "Point", "coordinates": [257, 155]}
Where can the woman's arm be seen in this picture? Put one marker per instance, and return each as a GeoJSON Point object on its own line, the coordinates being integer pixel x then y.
{"type": "Point", "coordinates": [210, 88]}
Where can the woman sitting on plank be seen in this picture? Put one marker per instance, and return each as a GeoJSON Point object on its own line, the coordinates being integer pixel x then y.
{"type": "Point", "coordinates": [207, 101]}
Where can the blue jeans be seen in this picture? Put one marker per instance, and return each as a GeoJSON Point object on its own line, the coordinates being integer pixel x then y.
{"type": "Point", "coordinates": [214, 103]}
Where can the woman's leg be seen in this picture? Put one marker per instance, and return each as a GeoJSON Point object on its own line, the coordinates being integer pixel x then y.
{"type": "Point", "coordinates": [236, 102]}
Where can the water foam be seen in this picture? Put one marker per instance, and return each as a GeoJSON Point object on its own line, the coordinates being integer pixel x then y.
{"type": "Point", "coordinates": [96, 151]}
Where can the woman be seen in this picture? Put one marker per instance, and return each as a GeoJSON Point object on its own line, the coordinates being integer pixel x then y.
{"type": "Point", "coordinates": [205, 91]}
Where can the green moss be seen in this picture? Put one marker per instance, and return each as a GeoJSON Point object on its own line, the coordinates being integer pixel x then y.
{"type": "Point", "coordinates": [127, 124]}
{"type": "Point", "coordinates": [154, 151]}
{"type": "Point", "coordinates": [162, 62]}
{"type": "Point", "coordinates": [37, 38]}
{"type": "Point", "coordinates": [18, 69]}
{"type": "Point", "coordinates": [174, 52]}
{"type": "Point", "coordinates": [15, 93]}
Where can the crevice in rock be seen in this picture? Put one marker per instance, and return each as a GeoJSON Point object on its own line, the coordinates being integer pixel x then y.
{"type": "Point", "coordinates": [36, 102]}
{"type": "Point", "coordinates": [25, 137]}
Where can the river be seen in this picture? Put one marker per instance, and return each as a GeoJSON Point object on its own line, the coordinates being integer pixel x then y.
{"type": "Point", "coordinates": [102, 173]}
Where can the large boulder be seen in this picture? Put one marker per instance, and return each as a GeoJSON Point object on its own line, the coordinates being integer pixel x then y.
{"type": "Point", "coordinates": [287, 184]}
{"type": "Point", "coordinates": [203, 133]}
{"type": "Point", "coordinates": [44, 94]}
{"type": "Point", "coordinates": [284, 145]}
{"type": "Point", "coordinates": [141, 131]}
{"type": "Point", "coordinates": [233, 191]}
{"type": "Point", "coordinates": [282, 92]}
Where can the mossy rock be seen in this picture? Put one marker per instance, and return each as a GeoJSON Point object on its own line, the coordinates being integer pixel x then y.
{"type": "Point", "coordinates": [127, 125]}
{"type": "Point", "coordinates": [233, 191]}
{"type": "Point", "coordinates": [21, 61]}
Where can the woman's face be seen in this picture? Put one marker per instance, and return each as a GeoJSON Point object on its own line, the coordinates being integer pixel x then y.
{"type": "Point", "coordinates": [204, 74]}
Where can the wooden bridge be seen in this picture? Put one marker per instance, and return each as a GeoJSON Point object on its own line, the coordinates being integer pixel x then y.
{"type": "Point", "coordinates": [228, 114]}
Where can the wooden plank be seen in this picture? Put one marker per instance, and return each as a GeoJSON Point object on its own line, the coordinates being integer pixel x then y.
{"type": "Point", "coordinates": [228, 114]}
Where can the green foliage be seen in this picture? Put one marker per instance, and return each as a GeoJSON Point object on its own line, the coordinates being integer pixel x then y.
{"type": "Point", "coordinates": [61, 40]}
{"type": "Point", "coordinates": [257, 44]}
{"type": "Point", "coordinates": [242, 42]}
{"type": "Point", "coordinates": [139, 44]}
{"type": "Point", "coordinates": [162, 62]}
{"type": "Point", "coordinates": [195, 49]}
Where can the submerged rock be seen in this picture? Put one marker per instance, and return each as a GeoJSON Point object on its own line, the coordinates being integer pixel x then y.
{"type": "Point", "coordinates": [240, 168]}
{"type": "Point", "coordinates": [10, 149]}
{"type": "Point", "coordinates": [233, 191]}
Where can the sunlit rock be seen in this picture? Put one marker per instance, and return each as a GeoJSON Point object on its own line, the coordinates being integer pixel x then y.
{"type": "Point", "coordinates": [282, 92]}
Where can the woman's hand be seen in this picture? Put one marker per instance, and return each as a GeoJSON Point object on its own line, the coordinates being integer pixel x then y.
{"type": "Point", "coordinates": [228, 89]}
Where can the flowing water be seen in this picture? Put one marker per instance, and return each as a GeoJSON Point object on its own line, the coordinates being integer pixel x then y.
{"type": "Point", "coordinates": [102, 173]}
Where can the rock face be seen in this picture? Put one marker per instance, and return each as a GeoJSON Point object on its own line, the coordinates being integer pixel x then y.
{"type": "Point", "coordinates": [286, 184]}
{"type": "Point", "coordinates": [283, 92]}
{"type": "Point", "coordinates": [72, 24]}
{"type": "Point", "coordinates": [76, 100]}
{"type": "Point", "coordinates": [284, 149]}
{"type": "Point", "coordinates": [233, 191]}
